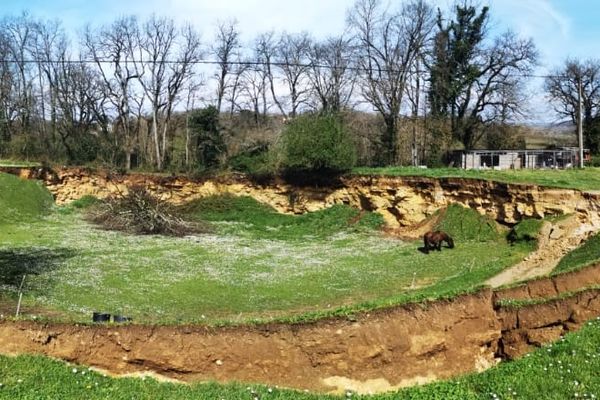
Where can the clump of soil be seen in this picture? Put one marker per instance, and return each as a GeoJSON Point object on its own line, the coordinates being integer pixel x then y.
{"type": "Point", "coordinates": [139, 212]}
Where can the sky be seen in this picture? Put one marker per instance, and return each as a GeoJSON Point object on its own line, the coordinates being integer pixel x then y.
{"type": "Point", "coordinates": [560, 28]}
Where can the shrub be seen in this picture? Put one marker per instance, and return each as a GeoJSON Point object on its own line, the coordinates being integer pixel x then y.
{"type": "Point", "coordinates": [141, 213]}
{"type": "Point", "coordinates": [525, 231]}
{"type": "Point", "coordinates": [316, 145]}
{"type": "Point", "coordinates": [204, 124]}
{"type": "Point", "coordinates": [256, 162]}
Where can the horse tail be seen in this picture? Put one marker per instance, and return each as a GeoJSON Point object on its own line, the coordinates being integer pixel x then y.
{"type": "Point", "coordinates": [450, 241]}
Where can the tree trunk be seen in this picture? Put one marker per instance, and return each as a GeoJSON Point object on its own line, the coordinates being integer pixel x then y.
{"type": "Point", "coordinates": [156, 140]}
{"type": "Point", "coordinates": [389, 141]}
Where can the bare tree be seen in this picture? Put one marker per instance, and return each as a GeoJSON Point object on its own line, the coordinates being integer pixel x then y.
{"type": "Point", "coordinates": [292, 60]}
{"type": "Point", "coordinates": [157, 42]}
{"type": "Point", "coordinates": [254, 90]}
{"type": "Point", "coordinates": [265, 51]}
{"type": "Point", "coordinates": [331, 75]}
{"type": "Point", "coordinates": [115, 48]}
{"type": "Point", "coordinates": [8, 109]}
{"type": "Point", "coordinates": [562, 88]}
{"type": "Point", "coordinates": [79, 94]}
{"type": "Point", "coordinates": [50, 48]}
{"type": "Point", "coordinates": [225, 50]}
{"type": "Point", "coordinates": [19, 39]}
{"type": "Point", "coordinates": [181, 73]}
{"type": "Point", "coordinates": [236, 84]}
{"type": "Point", "coordinates": [388, 44]}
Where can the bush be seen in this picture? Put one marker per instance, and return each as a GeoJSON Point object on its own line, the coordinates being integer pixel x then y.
{"type": "Point", "coordinates": [204, 124]}
{"type": "Point", "coordinates": [139, 212]}
{"type": "Point", "coordinates": [256, 162]}
{"type": "Point", "coordinates": [525, 231]}
{"type": "Point", "coordinates": [316, 145]}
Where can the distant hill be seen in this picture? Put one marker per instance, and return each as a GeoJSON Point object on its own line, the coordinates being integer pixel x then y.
{"type": "Point", "coordinates": [544, 135]}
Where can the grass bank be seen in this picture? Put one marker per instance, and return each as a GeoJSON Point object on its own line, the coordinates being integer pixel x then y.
{"type": "Point", "coordinates": [581, 257]}
{"type": "Point", "coordinates": [567, 369]}
{"type": "Point", "coordinates": [22, 200]}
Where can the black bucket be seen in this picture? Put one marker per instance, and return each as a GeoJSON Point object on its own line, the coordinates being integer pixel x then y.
{"type": "Point", "coordinates": [121, 319]}
{"type": "Point", "coordinates": [100, 317]}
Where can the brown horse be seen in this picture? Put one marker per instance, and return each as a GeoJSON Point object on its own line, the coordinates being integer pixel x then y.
{"type": "Point", "coordinates": [433, 240]}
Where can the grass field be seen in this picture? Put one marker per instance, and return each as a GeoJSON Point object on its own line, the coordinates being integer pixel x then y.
{"type": "Point", "coordinates": [567, 369]}
{"type": "Point", "coordinates": [587, 179]}
{"type": "Point", "coordinates": [256, 264]}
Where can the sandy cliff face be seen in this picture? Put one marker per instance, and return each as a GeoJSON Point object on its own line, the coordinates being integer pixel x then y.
{"type": "Point", "coordinates": [403, 201]}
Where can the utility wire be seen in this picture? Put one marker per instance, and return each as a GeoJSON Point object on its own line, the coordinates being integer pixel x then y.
{"type": "Point", "coordinates": [240, 63]}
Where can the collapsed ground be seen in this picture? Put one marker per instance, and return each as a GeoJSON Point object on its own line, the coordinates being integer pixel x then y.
{"type": "Point", "coordinates": [255, 264]}
{"type": "Point", "coordinates": [64, 270]}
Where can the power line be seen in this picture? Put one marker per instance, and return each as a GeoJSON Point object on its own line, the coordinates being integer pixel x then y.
{"type": "Point", "coordinates": [241, 63]}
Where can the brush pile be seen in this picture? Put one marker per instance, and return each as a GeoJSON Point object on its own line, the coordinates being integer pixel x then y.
{"type": "Point", "coordinates": [139, 212]}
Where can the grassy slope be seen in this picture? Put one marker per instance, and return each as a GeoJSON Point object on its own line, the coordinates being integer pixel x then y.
{"type": "Point", "coordinates": [22, 200]}
{"type": "Point", "coordinates": [587, 179]}
{"type": "Point", "coordinates": [582, 256]}
{"type": "Point", "coordinates": [257, 264]}
{"type": "Point", "coordinates": [565, 370]}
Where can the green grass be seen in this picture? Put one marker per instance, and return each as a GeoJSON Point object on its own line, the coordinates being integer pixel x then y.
{"type": "Point", "coordinates": [257, 264]}
{"type": "Point", "coordinates": [22, 200]}
{"type": "Point", "coordinates": [587, 179]}
{"type": "Point", "coordinates": [526, 231]}
{"type": "Point", "coordinates": [582, 256]}
{"type": "Point", "coordinates": [567, 369]}
{"type": "Point", "coordinates": [464, 224]}
{"type": "Point", "coordinates": [244, 216]}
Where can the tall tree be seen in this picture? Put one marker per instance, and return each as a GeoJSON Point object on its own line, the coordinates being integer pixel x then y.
{"type": "Point", "coordinates": [226, 51]}
{"type": "Point", "coordinates": [473, 83]}
{"type": "Point", "coordinates": [169, 56]}
{"type": "Point", "coordinates": [292, 61]}
{"type": "Point", "coordinates": [562, 88]}
{"type": "Point", "coordinates": [331, 75]}
{"type": "Point", "coordinates": [19, 38]}
{"type": "Point", "coordinates": [265, 51]}
{"type": "Point", "coordinates": [389, 42]}
{"type": "Point", "coordinates": [115, 49]}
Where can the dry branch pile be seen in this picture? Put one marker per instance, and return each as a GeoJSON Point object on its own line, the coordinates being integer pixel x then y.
{"type": "Point", "coordinates": [139, 212]}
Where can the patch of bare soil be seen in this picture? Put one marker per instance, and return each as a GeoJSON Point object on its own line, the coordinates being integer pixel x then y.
{"type": "Point", "coordinates": [555, 240]}
{"type": "Point", "coordinates": [415, 232]}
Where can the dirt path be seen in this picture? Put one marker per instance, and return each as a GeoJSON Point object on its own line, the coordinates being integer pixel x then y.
{"type": "Point", "coordinates": [555, 240]}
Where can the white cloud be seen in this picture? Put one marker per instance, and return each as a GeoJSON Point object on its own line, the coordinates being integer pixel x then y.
{"type": "Point", "coordinates": [539, 20]}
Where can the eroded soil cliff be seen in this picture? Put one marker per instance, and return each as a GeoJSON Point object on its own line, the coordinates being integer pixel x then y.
{"type": "Point", "coordinates": [403, 201]}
